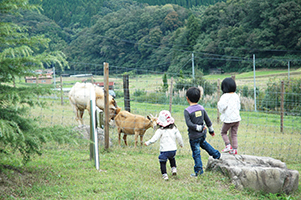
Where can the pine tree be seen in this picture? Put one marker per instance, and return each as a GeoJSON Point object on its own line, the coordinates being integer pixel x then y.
{"type": "Point", "coordinates": [18, 133]}
{"type": "Point", "coordinates": [165, 83]}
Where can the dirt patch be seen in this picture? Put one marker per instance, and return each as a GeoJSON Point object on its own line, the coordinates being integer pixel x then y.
{"type": "Point", "coordinates": [13, 181]}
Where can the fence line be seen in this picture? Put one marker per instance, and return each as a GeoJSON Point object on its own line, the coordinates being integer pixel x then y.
{"type": "Point", "coordinates": [274, 130]}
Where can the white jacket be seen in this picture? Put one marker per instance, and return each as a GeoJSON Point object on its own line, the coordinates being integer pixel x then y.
{"type": "Point", "coordinates": [229, 106]}
{"type": "Point", "coordinates": [168, 139]}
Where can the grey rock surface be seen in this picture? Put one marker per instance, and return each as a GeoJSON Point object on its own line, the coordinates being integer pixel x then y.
{"type": "Point", "coordinates": [258, 173]}
{"type": "Point", "coordinates": [84, 131]}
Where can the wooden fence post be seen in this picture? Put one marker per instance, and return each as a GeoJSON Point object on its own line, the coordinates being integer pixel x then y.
{"type": "Point", "coordinates": [282, 107]}
{"type": "Point", "coordinates": [92, 80]}
{"type": "Point", "coordinates": [126, 92]}
{"type": "Point", "coordinates": [218, 97]}
{"type": "Point", "coordinates": [106, 93]}
{"type": "Point", "coordinates": [170, 95]}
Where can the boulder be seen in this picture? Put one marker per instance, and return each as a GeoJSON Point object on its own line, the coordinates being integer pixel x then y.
{"type": "Point", "coordinates": [258, 173]}
{"type": "Point", "coordinates": [84, 132]}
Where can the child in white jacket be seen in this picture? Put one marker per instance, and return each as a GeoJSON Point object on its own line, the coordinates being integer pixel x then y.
{"type": "Point", "coordinates": [168, 133]}
{"type": "Point", "coordinates": [229, 106]}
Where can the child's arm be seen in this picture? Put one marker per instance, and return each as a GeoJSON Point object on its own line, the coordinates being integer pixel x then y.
{"type": "Point", "coordinates": [179, 138]}
{"type": "Point", "coordinates": [190, 124]}
{"type": "Point", "coordinates": [209, 124]}
{"type": "Point", "coordinates": [222, 104]}
{"type": "Point", "coordinates": [154, 138]}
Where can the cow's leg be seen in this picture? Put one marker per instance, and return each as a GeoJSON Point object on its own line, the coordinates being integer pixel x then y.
{"type": "Point", "coordinates": [124, 139]}
{"type": "Point", "coordinates": [81, 113]}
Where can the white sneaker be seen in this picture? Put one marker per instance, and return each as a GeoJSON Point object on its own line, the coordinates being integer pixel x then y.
{"type": "Point", "coordinates": [165, 177]}
{"type": "Point", "coordinates": [174, 171]}
{"type": "Point", "coordinates": [227, 149]}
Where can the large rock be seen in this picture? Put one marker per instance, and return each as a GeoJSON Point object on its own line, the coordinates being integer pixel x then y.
{"type": "Point", "coordinates": [84, 131]}
{"type": "Point", "coordinates": [257, 173]}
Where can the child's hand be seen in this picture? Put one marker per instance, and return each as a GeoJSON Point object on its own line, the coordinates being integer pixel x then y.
{"type": "Point", "coordinates": [212, 133]}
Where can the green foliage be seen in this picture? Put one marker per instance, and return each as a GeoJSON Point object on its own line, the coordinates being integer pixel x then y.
{"type": "Point", "coordinates": [165, 83]}
{"type": "Point", "coordinates": [133, 34]}
{"type": "Point", "coordinates": [184, 3]}
{"type": "Point", "coordinates": [139, 92]}
{"type": "Point", "coordinates": [185, 83]}
{"type": "Point", "coordinates": [153, 97]}
{"type": "Point", "coordinates": [291, 96]}
{"type": "Point", "coordinates": [245, 91]}
{"type": "Point", "coordinates": [18, 58]}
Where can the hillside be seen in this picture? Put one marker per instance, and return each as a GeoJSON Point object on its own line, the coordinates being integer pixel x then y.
{"type": "Point", "coordinates": [139, 37]}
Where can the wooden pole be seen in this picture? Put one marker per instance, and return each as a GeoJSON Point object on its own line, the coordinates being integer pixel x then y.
{"type": "Point", "coordinates": [92, 80]}
{"type": "Point", "coordinates": [218, 97]}
{"type": "Point", "coordinates": [282, 106]}
{"type": "Point", "coordinates": [126, 92]}
{"type": "Point", "coordinates": [62, 93]}
{"type": "Point", "coordinates": [106, 93]}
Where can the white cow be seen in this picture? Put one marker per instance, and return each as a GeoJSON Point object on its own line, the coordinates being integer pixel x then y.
{"type": "Point", "coordinates": [79, 97]}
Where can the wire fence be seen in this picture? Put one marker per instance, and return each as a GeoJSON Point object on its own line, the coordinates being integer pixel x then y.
{"type": "Point", "coordinates": [273, 130]}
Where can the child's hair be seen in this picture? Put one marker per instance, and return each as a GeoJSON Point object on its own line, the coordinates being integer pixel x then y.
{"type": "Point", "coordinates": [193, 94]}
{"type": "Point", "coordinates": [228, 85]}
{"type": "Point", "coordinates": [170, 126]}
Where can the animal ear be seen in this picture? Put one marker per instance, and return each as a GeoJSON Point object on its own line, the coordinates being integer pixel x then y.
{"type": "Point", "coordinates": [118, 109]}
{"type": "Point", "coordinates": [148, 117]}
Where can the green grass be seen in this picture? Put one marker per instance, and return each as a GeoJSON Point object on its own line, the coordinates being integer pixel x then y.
{"type": "Point", "coordinates": [258, 73]}
{"type": "Point", "coordinates": [66, 171]}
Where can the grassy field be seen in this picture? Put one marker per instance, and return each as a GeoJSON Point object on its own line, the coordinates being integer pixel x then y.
{"type": "Point", "coordinates": [66, 171]}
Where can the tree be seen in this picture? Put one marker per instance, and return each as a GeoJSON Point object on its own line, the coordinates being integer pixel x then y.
{"type": "Point", "coordinates": [165, 83]}
{"type": "Point", "coordinates": [18, 58]}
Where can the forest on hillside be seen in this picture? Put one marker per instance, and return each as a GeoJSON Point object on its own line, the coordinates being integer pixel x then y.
{"type": "Point", "coordinates": [140, 36]}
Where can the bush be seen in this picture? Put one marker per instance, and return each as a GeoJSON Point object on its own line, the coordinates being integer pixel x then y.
{"type": "Point", "coordinates": [209, 88]}
{"type": "Point", "coordinates": [154, 97]}
{"type": "Point", "coordinates": [292, 97]}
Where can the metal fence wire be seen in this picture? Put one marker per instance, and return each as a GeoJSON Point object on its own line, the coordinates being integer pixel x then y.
{"type": "Point", "coordinates": [273, 129]}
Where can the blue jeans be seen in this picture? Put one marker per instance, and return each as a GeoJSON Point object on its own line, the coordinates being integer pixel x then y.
{"type": "Point", "coordinates": [164, 156]}
{"type": "Point", "coordinates": [195, 145]}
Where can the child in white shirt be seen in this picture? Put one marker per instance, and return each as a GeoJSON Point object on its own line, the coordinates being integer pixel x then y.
{"type": "Point", "coordinates": [168, 133]}
{"type": "Point", "coordinates": [229, 106]}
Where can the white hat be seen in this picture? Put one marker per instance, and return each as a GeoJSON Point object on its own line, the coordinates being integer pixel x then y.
{"type": "Point", "coordinates": [165, 118]}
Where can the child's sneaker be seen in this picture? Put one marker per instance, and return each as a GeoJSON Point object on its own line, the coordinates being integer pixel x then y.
{"type": "Point", "coordinates": [165, 177]}
{"type": "Point", "coordinates": [196, 174]}
{"type": "Point", "coordinates": [227, 149]}
{"type": "Point", "coordinates": [234, 151]}
{"type": "Point", "coordinates": [174, 171]}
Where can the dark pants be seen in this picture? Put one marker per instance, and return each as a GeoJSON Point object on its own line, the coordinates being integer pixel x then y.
{"type": "Point", "coordinates": [164, 156]}
{"type": "Point", "coordinates": [195, 145]}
